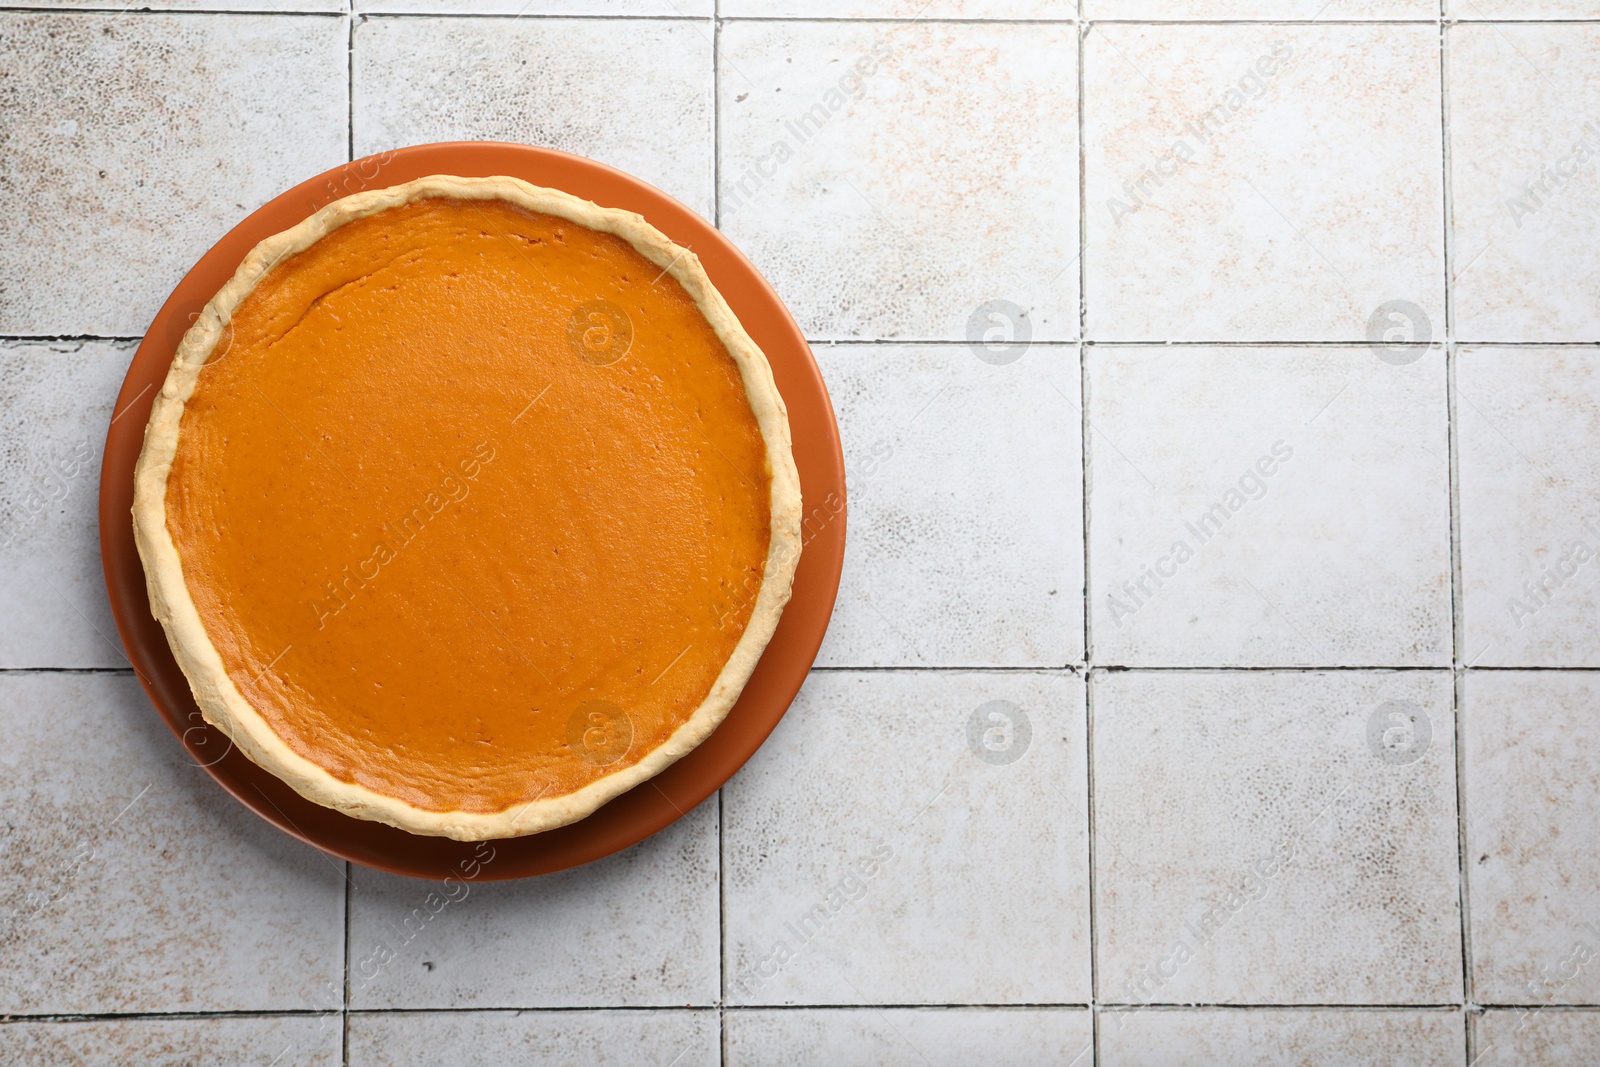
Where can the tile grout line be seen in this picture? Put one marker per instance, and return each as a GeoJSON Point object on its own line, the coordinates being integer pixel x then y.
{"type": "Point", "coordinates": [127, 672]}
{"type": "Point", "coordinates": [1458, 692]}
{"type": "Point", "coordinates": [350, 152]}
{"type": "Point", "coordinates": [927, 342]}
{"type": "Point", "coordinates": [350, 81]}
{"type": "Point", "coordinates": [23, 1019]}
{"type": "Point", "coordinates": [410, 16]}
{"type": "Point", "coordinates": [344, 1011]}
{"type": "Point", "coordinates": [1457, 590]}
{"type": "Point", "coordinates": [716, 115]}
{"type": "Point", "coordinates": [1083, 472]}
{"type": "Point", "coordinates": [62, 338]}
{"type": "Point", "coordinates": [661, 17]}
{"type": "Point", "coordinates": [722, 839]}
{"type": "Point", "coordinates": [204, 12]}
{"type": "Point", "coordinates": [722, 937]}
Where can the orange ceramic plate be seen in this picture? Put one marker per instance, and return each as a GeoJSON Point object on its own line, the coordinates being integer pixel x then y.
{"type": "Point", "coordinates": [634, 815]}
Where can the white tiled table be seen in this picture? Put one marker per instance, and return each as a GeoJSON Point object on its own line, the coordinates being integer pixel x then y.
{"type": "Point", "coordinates": [1207, 685]}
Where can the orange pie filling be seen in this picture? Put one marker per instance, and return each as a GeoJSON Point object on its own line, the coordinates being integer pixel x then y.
{"type": "Point", "coordinates": [472, 504]}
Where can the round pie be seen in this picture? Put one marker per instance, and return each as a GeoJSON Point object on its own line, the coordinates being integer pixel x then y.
{"type": "Point", "coordinates": [467, 505]}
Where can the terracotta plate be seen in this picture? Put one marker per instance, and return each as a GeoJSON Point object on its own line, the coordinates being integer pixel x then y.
{"type": "Point", "coordinates": [634, 815]}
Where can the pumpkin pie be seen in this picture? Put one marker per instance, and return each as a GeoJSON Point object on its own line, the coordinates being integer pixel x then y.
{"type": "Point", "coordinates": [467, 505]}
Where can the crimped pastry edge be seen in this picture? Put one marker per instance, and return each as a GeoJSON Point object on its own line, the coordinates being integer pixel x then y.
{"type": "Point", "coordinates": [219, 699]}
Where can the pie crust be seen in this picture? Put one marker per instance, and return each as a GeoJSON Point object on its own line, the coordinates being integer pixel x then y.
{"type": "Point", "coordinates": [221, 701]}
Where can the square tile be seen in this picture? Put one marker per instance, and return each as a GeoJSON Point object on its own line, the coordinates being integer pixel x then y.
{"type": "Point", "coordinates": [1522, 9]}
{"type": "Point", "coordinates": [638, 929]}
{"type": "Point", "coordinates": [59, 398]}
{"type": "Point", "coordinates": [910, 837]}
{"type": "Point", "coordinates": [286, 1041]}
{"type": "Point", "coordinates": [1528, 432]}
{"type": "Point", "coordinates": [1268, 507]}
{"type": "Point", "coordinates": [118, 8]}
{"type": "Point", "coordinates": [491, 1039]}
{"type": "Point", "coordinates": [891, 178]}
{"type": "Point", "coordinates": [323, 7]}
{"type": "Point", "coordinates": [632, 93]}
{"type": "Point", "coordinates": [1525, 181]}
{"type": "Point", "coordinates": [1245, 1038]}
{"type": "Point", "coordinates": [1262, 182]}
{"type": "Point", "coordinates": [1281, 10]}
{"type": "Point", "coordinates": [1531, 782]}
{"type": "Point", "coordinates": [901, 9]}
{"type": "Point", "coordinates": [965, 507]}
{"type": "Point", "coordinates": [1548, 1038]}
{"type": "Point", "coordinates": [535, 8]}
{"type": "Point", "coordinates": [131, 882]}
{"type": "Point", "coordinates": [135, 142]}
{"type": "Point", "coordinates": [909, 1037]}
{"type": "Point", "coordinates": [1275, 838]}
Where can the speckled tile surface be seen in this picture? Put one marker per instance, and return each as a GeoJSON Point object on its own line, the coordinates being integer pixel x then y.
{"type": "Point", "coordinates": [1526, 1037]}
{"type": "Point", "coordinates": [1310, 288]}
{"type": "Point", "coordinates": [1524, 141]}
{"type": "Point", "coordinates": [901, 9]}
{"type": "Point", "coordinates": [134, 141]}
{"type": "Point", "coordinates": [1325, 1037]}
{"type": "Point", "coordinates": [906, 1037]}
{"type": "Point", "coordinates": [1264, 10]}
{"type": "Point", "coordinates": [324, 7]}
{"type": "Point", "coordinates": [188, 1042]}
{"type": "Point", "coordinates": [1481, 10]}
{"type": "Point", "coordinates": [899, 820]}
{"type": "Point", "coordinates": [948, 567]}
{"type": "Point", "coordinates": [535, 8]}
{"type": "Point", "coordinates": [60, 396]}
{"type": "Point", "coordinates": [638, 929]}
{"type": "Point", "coordinates": [634, 94]}
{"type": "Point", "coordinates": [578, 1038]}
{"type": "Point", "coordinates": [1260, 182]}
{"type": "Point", "coordinates": [1338, 845]}
{"type": "Point", "coordinates": [1312, 531]}
{"type": "Point", "coordinates": [891, 178]}
{"type": "Point", "coordinates": [1528, 424]}
{"type": "Point", "coordinates": [1531, 787]}
{"type": "Point", "coordinates": [131, 882]}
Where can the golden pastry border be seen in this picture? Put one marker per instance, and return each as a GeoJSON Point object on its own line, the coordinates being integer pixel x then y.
{"type": "Point", "coordinates": [214, 691]}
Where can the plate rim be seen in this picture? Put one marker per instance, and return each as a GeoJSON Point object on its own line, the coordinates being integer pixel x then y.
{"type": "Point", "coordinates": [644, 810]}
